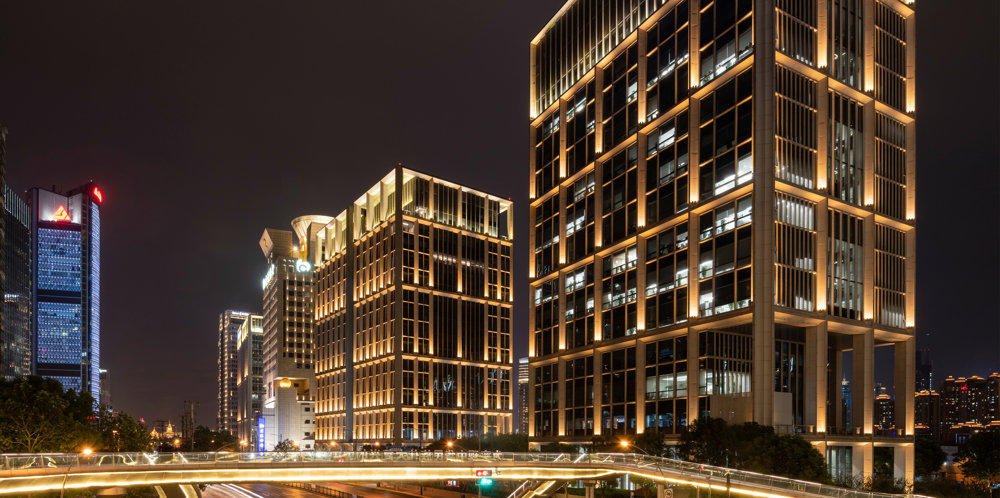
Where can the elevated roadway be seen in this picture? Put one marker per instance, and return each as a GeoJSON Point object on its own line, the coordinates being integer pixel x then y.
{"type": "Point", "coordinates": [22, 474]}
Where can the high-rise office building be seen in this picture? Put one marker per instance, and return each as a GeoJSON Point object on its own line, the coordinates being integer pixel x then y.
{"type": "Point", "coordinates": [104, 377]}
{"type": "Point", "coordinates": [970, 400]}
{"type": "Point", "coordinates": [927, 415]}
{"type": "Point", "coordinates": [885, 419]}
{"type": "Point", "coordinates": [3, 221]}
{"type": "Point", "coordinates": [523, 384]}
{"type": "Point", "coordinates": [250, 383]}
{"type": "Point", "coordinates": [722, 194]}
{"type": "Point", "coordinates": [15, 336]}
{"type": "Point", "coordinates": [924, 370]}
{"type": "Point", "coordinates": [413, 310]}
{"type": "Point", "coordinates": [288, 354]}
{"type": "Point", "coordinates": [229, 325]}
{"type": "Point", "coordinates": [66, 278]}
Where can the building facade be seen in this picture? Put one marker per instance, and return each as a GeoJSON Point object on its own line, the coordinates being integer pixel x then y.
{"type": "Point", "coordinates": [927, 415]}
{"type": "Point", "coordinates": [15, 348]}
{"type": "Point", "coordinates": [105, 378]}
{"type": "Point", "coordinates": [250, 383]}
{"type": "Point", "coordinates": [66, 279]}
{"type": "Point", "coordinates": [970, 400]}
{"type": "Point", "coordinates": [413, 310]}
{"type": "Point", "coordinates": [523, 384]}
{"type": "Point", "coordinates": [230, 322]}
{"type": "Point", "coordinates": [289, 377]}
{"type": "Point", "coordinates": [722, 194]}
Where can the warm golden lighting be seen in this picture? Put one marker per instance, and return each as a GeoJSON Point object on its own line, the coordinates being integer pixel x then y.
{"type": "Point", "coordinates": [87, 451]}
{"type": "Point", "coordinates": [623, 443]}
{"type": "Point", "coordinates": [284, 383]}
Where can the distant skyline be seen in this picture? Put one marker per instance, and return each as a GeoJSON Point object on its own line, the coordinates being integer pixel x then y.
{"type": "Point", "coordinates": [205, 123]}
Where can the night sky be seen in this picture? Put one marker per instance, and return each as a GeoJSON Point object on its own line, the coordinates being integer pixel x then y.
{"type": "Point", "coordinates": [205, 122]}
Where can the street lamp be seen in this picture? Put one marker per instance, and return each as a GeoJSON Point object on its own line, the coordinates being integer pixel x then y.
{"type": "Point", "coordinates": [450, 444]}
{"type": "Point", "coordinates": [87, 451]}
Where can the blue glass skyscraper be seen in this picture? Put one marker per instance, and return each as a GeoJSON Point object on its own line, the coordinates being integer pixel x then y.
{"type": "Point", "coordinates": [66, 240]}
{"type": "Point", "coordinates": [15, 338]}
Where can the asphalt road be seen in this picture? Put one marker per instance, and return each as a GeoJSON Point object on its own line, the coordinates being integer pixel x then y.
{"type": "Point", "coordinates": [255, 491]}
{"type": "Point", "coordinates": [278, 491]}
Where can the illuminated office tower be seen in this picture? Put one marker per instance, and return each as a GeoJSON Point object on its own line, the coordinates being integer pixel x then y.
{"type": "Point", "coordinates": [413, 313]}
{"type": "Point", "coordinates": [523, 372]}
{"type": "Point", "coordinates": [66, 277]}
{"type": "Point", "coordinates": [289, 377]}
{"type": "Point", "coordinates": [722, 194]}
{"type": "Point", "coordinates": [229, 325]}
{"type": "Point", "coordinates": [250, 382]}
{"type": "Point", "coordinates": [15, 336]}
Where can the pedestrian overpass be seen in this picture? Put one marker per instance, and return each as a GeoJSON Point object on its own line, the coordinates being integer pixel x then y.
{"type": "Point", "coordinates": [46, 473]}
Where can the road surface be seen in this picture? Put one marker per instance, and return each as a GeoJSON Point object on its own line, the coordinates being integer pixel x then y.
{"type": "Point", "coordinates": [258, 490]}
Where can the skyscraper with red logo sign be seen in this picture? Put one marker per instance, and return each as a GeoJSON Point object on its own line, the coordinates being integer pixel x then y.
{"type": "Point", "coordinates": [66, 264]}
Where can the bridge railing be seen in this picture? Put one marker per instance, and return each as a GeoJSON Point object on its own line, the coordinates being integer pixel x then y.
{"type": "Point", "coordinates": [639, 464]}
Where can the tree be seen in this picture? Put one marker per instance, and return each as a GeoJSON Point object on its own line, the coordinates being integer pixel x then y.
{"type": "Point", "coordinates": [205, 439]}
{"type": "Point", "coordinates": [285, 445]}
{"type": "Point", "coordinates": [651, 442]}
{"type": "Point", "coordinates": [980, 456]}
{"type": "Point", "coordinates": [928, 457]}
{"type": "Point", "coordinates": [38, 415]}
{"type": "Point", "coordinates": [120, 432]}
{"type": "Point", "coordinates": [753, 447]}
{"type": "Point", "coordinates": [706, 441]}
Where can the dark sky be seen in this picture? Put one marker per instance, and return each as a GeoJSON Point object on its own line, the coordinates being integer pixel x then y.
{"type": "Point", "coordinates": [205, 122]}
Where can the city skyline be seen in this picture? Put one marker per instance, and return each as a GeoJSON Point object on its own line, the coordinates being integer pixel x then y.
{"type": "Point", "coordinates": [162, 210]}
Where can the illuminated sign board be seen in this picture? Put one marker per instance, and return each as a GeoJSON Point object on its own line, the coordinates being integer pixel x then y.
{"type": "Point", "coordinates": [61, 214]}
{"type": "Point", "coordinates": [268, 277]}
{"type": "Point", "coordinates": [260, 434]}
{"type": "Point", "coordinates": [50, 206]}
{"type": "Point", "coordinates": [98, 194]}
{"type": "Point", "coordinates": [302, 266]}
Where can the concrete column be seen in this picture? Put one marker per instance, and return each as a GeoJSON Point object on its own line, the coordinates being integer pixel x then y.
{"type": "Point", "coordinates": [588, 489]}
{"type": "Point", "coordinates": [694, 151]}
{"type": "Point", "coordinates": [868, 21]}
{"type": "Point", "coordinates": [561, 401]}
{"type": "Point", "coordinates": [692, 373]}
{"type": "Point", "coordinates": [640, 271]}
{"type": "Point", "coordinates": [868, 250]}
{"type": "Point", "coordinates": [641, 47]}
{"type": "Point", "coordinates": [822, 235]}
{"type": "Point", "coordinates": [822, 39]}
{"type": "Point", "coordinates": [561, 248]}
{"type": "Point", "coordinates": [693, 245]}
{"type": "Point", "coordinates": [640, 385]}
{"type": "Point", "coordinates": [598, 116]}
{"type": "Point", "coordinates": [862, 381]}
{"type": "Point", "coordinates": [911, 63]}
{"type": "Point", "coordinates": [598, 388]}
{"type": "Point", "coordinates": [562, 139]}
{"type": "Point", "coordinates": [822, 128]}
{"type": "Point", "coordinates": [911, 280]}
{"type": "Point", "coordinates": [862, 460]}
{"type": "Point", "coordinates": [815, 377]}
{"type": "Point", "coordinates": [763, 216]}
{"type": "Point", "coordinates": [904, 379]}
{"type": "Point", "coordinates": [902, 467]}
{"type": "Point", "coordinates": [694, 29]}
